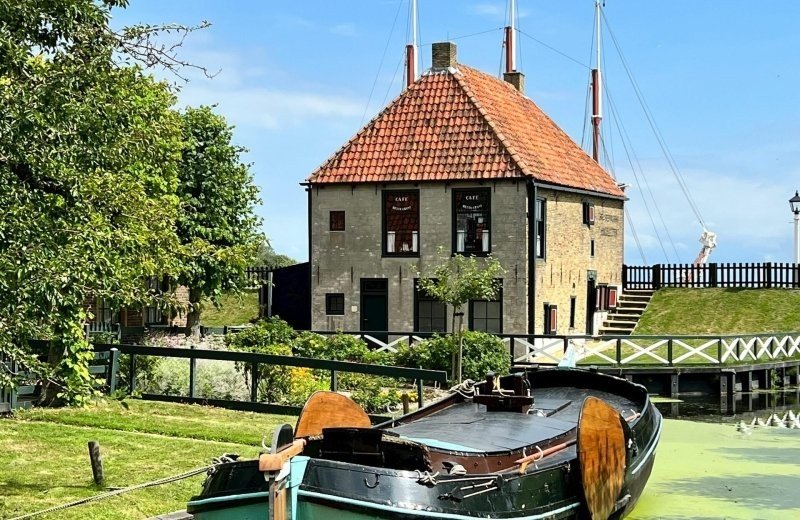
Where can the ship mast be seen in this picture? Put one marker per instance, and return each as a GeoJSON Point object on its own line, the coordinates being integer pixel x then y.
{"type": "Point", "coordinates": [597, 89]}
{"type": "Point", "coordinates": [411, 48]}
{"type": "Point", "coordinates": [511, 47]}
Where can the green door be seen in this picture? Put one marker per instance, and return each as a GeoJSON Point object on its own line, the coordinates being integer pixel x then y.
{"type": "Point", "coordinates": [374, 306]}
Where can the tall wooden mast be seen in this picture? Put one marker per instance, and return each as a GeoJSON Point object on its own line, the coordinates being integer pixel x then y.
{"type": "Point", "coordinates": [411, 48]}
{"type": "Point", "coordinates": [511, 39]}
{"type": "Point", "coordinates": [597, 89]}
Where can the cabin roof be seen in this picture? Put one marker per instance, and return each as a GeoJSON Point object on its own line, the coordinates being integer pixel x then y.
{"type": "Point", "coordinates": [460, 124]}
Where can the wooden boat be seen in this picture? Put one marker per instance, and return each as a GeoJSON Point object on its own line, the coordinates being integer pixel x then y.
{"type": "Point", "coordinates": [554, 443]}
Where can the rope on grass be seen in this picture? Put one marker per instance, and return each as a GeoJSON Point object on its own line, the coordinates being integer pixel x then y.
{"type": "Point", "coordinates": [166, 480]}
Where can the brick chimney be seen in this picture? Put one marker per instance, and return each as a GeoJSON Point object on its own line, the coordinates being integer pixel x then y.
{"type": "Point", "coordinates": [515, 78]}
{"type": "Point", "coordinates": [444, 55]}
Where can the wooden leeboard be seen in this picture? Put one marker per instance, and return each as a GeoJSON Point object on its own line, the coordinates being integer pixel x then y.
{"type": "Point", "coordinates": [601, 456]}
{"type": "Point", "coordinates": [329, 410]}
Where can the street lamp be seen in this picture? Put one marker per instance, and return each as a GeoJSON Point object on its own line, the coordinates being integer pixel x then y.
{"type": "Point", "coordinates": [794, 203]}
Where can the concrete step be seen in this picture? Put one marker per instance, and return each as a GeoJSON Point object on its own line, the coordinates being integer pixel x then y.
{"type": "Point", "coordinates": [624, 318]}
{"type": "Point", "coordinates": [637, 311]}
{"type": "Point", "coordinates": [634, 298]}
{"type": "Point", "coordinates": [649, 292]}
{"type": "Point", "coordinates": [619, 324]}
{"type": "Point", "coordinates": [613, 331]}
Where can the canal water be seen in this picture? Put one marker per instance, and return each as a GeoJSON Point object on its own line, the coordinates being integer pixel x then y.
{"type": "Point", "coordinates": [710, 466]}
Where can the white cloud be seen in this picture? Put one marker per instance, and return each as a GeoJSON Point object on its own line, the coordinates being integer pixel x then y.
{"type": "Point", "coordinates": [344, 29]}
{"type": "Point", "coordinates": [272, 108]}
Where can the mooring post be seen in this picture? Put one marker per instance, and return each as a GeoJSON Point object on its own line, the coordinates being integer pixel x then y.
{"type": "Point", "coordinates": [673, 386]}
{"type": "Point", "coordinates": [406, 405]}
{"type": "Point", "coordinates": [97, 462]}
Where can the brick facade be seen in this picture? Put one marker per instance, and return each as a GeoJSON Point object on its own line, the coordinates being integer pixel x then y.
{"type": "Point", "coordinates": [340, 259]}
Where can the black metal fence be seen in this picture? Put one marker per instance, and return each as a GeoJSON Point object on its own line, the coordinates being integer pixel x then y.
{"type": "Point", "coordinates": [254, 360]}
{"type": "Point", "coordinates": [728, 275]}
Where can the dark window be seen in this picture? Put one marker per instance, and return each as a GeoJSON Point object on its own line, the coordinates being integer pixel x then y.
{"type": "Point", "coordinates": [550, 319]}
{"type": "Point", "coordinates": [337, 220]}
{"type": "Point", "coordinates": [471, 212]}
{"type": "Point", "coordinates": [154, 315]}
{"type": "Point", "coordinates": [106, 313]}
{"type": "Point", "coordinates": [588, 213]}
{"type": "Point", "coordinates": [601, 302]}
{"type": "Point", "coordinates": [334, 304]}
{"type": "Point", "coordinates": [572, 305]}
{"type": "Point", "coordinates": [430, 315]}
{"type": "Point", "coordinates": [401, 223]}
{"type": "Point", "coordinates": [541, 226]}
{"type": "Point", "coordinates": [487, 315]}
{"type": "Point", "coordinates": [591, 248]}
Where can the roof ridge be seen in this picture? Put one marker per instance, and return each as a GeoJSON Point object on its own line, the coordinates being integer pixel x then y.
{"type": "Point", "coordinates": [510, 149]}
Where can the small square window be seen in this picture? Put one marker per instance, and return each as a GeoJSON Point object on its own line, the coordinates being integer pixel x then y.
{"type": "Point", "coordinates": [334, 304]}
{"type": "Point", "coordinates": [337, 220]}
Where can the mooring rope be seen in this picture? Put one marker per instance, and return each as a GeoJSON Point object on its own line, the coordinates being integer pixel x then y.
{"type": "Point", "coordinates": [166, 480]}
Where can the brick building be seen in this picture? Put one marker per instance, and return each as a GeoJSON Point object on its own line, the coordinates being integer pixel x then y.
{"type": "Point", "coordinates": [462, 160]}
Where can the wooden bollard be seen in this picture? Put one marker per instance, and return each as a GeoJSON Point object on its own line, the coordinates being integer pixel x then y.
{"type": "Point", "coordinates": [97, 462]}
{"type": "Point", "coordinates": [405, 400]}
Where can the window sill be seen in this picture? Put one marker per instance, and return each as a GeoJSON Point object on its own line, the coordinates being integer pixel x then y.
{"type": "Point", "coordinates": [400, 255]}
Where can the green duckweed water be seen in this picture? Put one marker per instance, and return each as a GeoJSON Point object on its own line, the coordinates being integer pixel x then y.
{"type": "Point", "coordinates": [705, 471]}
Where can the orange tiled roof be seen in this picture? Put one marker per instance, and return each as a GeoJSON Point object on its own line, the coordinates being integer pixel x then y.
{"type": "Point", "coordinates": [462, 124]}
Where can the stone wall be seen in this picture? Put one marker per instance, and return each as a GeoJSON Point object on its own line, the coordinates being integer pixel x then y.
{"type": "Point", "coordinates": [562, 274]}
{"type": "Point", "coordinates": [340, 259]}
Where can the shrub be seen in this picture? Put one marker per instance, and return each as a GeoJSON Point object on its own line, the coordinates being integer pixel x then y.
{"type": "Point", "coordinates": [482, 353]}
{"type": "Point", "coordinates": [375, 399]}
{"type": "Point", "coordinates": [302, 384]}
{"type": "Point", "coordinates": [271, 336]}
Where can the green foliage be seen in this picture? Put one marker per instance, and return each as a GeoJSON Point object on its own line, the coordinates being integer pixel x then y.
{"type": "Point", "coordinates": [89, 154]}
{"type": "Point", "coordinates": [216, 224]}
{"type": "Point", "coordinates": [272, 336]}
{"type": "Point", "coordinates": [482, 353]}
{"type": "Point", "coordinates": [458, 279]}
{"type": "Point", "coordinates": [267, 256]}
{"type": "Point", "coordinates": [374, 398]}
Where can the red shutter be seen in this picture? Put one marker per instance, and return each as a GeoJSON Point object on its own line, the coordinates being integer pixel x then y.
{"type": "Point", "coordinates": [612, 297]}
{"type": "Point", "coordinates": [553, 319]}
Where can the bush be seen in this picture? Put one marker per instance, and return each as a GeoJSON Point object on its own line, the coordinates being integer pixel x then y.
{"type": "Point", "coordinates": [302, 384]}
{"type": "Point", "coordinates": [373, 398]}
{"type": "Point", "coordinates": [271, 336]}
{"type": "Point", "coordinates": [482, 353]}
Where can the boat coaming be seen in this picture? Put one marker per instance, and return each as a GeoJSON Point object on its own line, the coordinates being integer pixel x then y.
{"type": "Point", "coordinates": [332, 489]}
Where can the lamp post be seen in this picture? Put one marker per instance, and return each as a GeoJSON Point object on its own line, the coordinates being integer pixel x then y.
{"type": "Point", "coordinates": [794, 203]}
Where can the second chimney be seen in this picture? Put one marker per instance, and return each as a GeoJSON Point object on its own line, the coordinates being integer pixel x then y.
{"type": "Point", "coordinates": [444, 55]}
{"type": "Point", "coordinates": [517, 79]}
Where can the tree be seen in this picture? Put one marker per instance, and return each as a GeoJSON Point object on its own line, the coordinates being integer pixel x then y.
{"type": "Point", "coordinates": [216, 223]}
{"type": "Point", "coordinates": [267, 256]}
{"type": "Point", "coordinates": [89, 154]}
{"type": "Point", "coordinates": [456, 280]}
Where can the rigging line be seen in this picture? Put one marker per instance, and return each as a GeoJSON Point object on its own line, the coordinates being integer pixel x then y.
{"type": "Point", "coordinates": [656, 131]}
{"type": "Point", "coordinates": [383, 57]}
{"type": "Point", "coordinates": [394, 77]}
{"type": "Point", "coordinates": [543, 44]}
{"type": "Point", "coordinates": [639, 187]}
{"type": "Point", "coordinates": [624, 135]}
{"type": "Point", "coordinates": [466, 35]}
{"type": "Point", "coordinates": [586, 110]}
{"type": "Point", "coordinates": [635, 235]}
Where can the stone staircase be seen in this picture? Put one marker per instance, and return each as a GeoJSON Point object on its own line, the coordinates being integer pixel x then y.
{"type": "Point", "coordinates": [622, 320]}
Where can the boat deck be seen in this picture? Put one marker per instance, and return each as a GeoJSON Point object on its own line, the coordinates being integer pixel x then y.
{"type": "Point", "coordinates": [468, 426]}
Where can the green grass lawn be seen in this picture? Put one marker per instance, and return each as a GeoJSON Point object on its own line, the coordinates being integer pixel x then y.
{"type": "Point", "coordinates": [44, 458]}
{"type": "Point", "coordinates": [721, 311]}
{"type": "Point", "coordinates": [235, 309]}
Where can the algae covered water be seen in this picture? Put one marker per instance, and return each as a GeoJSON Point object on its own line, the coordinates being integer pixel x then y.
{"type": "Point", "coordinates": [707, 470]}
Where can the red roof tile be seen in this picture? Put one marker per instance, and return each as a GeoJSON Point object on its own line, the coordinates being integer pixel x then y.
{"type": "Point", "coordinates": [463, 125]}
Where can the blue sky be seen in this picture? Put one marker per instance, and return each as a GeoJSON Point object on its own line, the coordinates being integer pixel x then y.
{"type": "Point", "coordinates": [721, 79]}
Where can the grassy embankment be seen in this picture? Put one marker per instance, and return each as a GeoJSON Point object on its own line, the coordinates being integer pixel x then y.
{"type": "Point", "coordinates": [44, 459]}
{"type": "Point", "coordinates": [235, 309]}
{"type": "Point", "coordinates": [712, 312]}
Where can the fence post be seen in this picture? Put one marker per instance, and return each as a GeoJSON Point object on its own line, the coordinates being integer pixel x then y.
{"type": "Point", "coordinates": [192, 372]}
{"type": "Point", "coordinates": [719, 350]}
{"type": "Point", "coordinates": [113, 368]}
{"type": "Point", "coordinates": [669, 351]}
{"type": "Point", "coordinates": [334, 381]}
{"type": "Point", "coordinates": [254, 382]}
{"type": "Point", "coordinates": [656, 276]}
{"type": "Point", "coordinates": [712, 274]}
{"type": "Point", "coordinates": [420, 396]}
{"type": "Point", "coordinates": [13, 393]}
{"type": "Point", "coordinates": [132, 375]}
{"type": "Point", "coordinates": [619, 351]}
{"type": "Point", "coordinates": [624, 277]}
